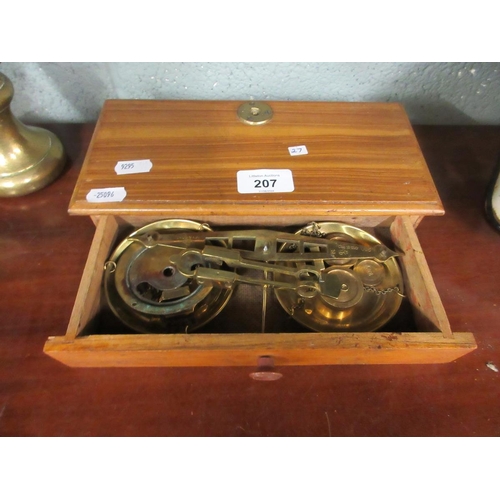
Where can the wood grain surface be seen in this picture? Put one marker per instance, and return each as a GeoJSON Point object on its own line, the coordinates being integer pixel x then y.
{"type": "Point", "coordinates": [362, 158]}
{"type": "Point", "coordinates": [43, 252]}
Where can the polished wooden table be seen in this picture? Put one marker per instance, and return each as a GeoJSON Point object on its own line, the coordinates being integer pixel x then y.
{"type": "Point", "coordinates": [43, 251]}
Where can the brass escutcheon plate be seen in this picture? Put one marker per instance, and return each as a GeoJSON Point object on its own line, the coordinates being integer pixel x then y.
{"type": "Point", "coordinates": [255, 113]}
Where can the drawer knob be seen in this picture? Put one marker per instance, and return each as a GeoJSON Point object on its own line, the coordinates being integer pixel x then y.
{"type": "Point", "coordinates": [265, 370]}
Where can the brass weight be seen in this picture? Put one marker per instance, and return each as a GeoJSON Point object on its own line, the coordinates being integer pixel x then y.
{"type": "Point", "coordinates": [30, 157]}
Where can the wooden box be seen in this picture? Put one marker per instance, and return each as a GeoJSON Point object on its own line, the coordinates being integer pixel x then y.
{"type": "Point", "coordinates": [363, 167]}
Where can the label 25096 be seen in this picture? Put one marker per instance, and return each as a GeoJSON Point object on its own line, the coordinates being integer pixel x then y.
{"type": "Point", "coordinates": [103, 195]}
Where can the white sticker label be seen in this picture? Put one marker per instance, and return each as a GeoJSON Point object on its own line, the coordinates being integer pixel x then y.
{"type": "Point", "coordinates": [106, 195]}
{"type": "Point", "coordinates": [133, 167]}
{"type": "Point", "coordinates": [265, 181]}
{"type": "Point", "coordinates": [298, 150]}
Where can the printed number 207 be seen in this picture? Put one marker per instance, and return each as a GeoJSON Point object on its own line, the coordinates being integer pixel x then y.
{"type": "Point", "coordinates": [266, 183]}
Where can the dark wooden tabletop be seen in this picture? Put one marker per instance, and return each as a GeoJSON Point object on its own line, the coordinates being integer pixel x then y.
{"type": "Point", "coordinates": [43, 252]}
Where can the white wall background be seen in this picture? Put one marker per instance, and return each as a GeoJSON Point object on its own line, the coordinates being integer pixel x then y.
{"type": "Point", "coordinates": [432, 93]}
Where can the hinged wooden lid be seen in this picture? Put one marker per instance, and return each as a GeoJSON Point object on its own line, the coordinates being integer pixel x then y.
{"type": "Point", "coordinates": [362, 159]}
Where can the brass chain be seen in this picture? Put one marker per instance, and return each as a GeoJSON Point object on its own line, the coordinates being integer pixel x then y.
{"type": "Point", "coordinates": [376, 291]}
{"type": "Point", "coordinates": [315, 231]}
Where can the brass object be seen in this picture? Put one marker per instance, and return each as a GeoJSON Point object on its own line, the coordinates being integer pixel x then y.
{"type": "Point", "coordinates": [30, 157]}
{"type": "Point", "coordinates": [492, 202]}
{"type": "Point", "coordinates": [255, 112]}
{"type": "Point", "coordinates": [371, 290]}
{"type": "Point", "coordinates": [145, 289]}
{"type": "Point", "coordinates": [176, 275]}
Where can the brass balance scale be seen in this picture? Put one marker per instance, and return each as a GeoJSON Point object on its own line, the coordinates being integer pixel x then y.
{"type": "Point", "coordinates": [177, 275]}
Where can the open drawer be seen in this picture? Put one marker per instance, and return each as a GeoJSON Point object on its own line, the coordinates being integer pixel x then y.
{"type": "Point", "coordinates": [421, 332]}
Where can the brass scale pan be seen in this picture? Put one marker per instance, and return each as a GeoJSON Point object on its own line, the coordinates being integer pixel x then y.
{"type": "Point", "coordinates": [147, 291]}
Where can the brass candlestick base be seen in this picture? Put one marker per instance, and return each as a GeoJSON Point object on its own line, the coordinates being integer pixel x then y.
{"type": "Point", "coordinates": [30, 157]}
